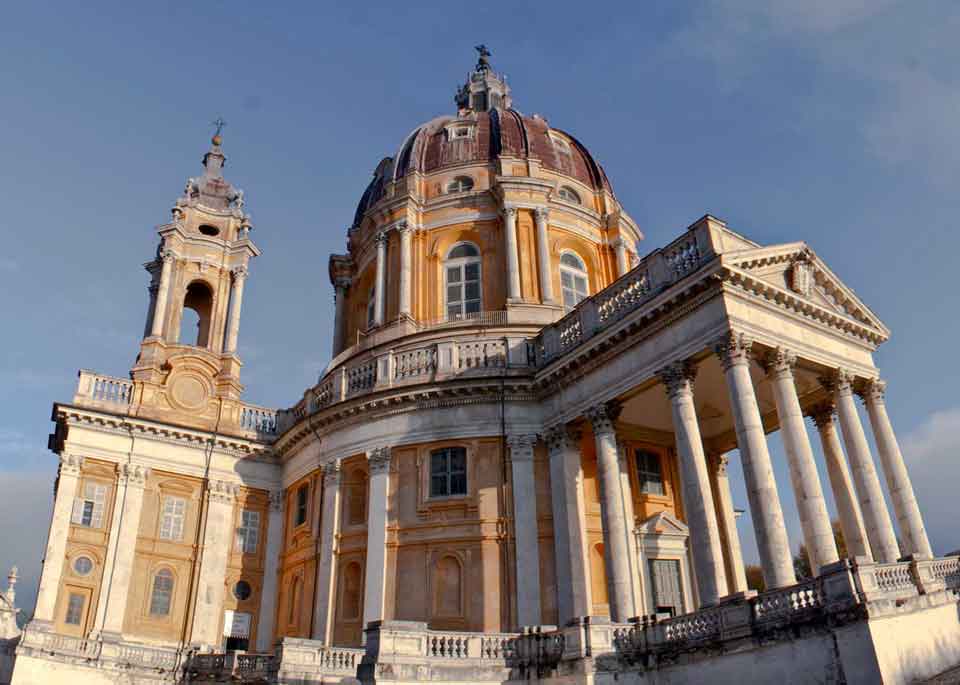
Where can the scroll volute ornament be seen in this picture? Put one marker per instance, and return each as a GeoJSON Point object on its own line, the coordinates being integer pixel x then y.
{"type": "Point", "coordinates": [801, 275]}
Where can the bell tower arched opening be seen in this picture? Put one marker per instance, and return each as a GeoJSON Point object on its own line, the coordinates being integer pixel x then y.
{"type": "Point", "coordinates": [196, 315]}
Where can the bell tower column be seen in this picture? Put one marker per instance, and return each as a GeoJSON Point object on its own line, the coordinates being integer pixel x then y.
{"type": "Point", "coordinates": [163, 294]}
{"type": "Point", "coordinates": [236, 299]}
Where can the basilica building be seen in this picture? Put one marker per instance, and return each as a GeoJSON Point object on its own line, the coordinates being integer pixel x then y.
{"type": "Point", "coordinates": [514, 467]}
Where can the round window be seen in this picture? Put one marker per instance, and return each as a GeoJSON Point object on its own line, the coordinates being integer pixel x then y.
{"type": "Point", "coordinates": [242, 590]}
{"type": "Point", "coordinates": [82, 565]}
{"type": "Point", "coordinates": [207, 229]}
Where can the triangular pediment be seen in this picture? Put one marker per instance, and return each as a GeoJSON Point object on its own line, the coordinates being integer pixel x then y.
{"type": "Point", "coordinates": [663, 523]}
{"type": "Point", "coordinates": [795, 269]}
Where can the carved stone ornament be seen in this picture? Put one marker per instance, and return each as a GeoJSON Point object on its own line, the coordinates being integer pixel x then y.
{"type": "Point", "coordinates": [801, 276]}
{"type": "Point", "coordinates": [560, 437]}
{"type": "Point", "coordinates": [332, 474]}
{"type": "Point", "coordinates": [276, 500]}
{"type": "Point", "coordinates": [378, 460]}
{"type": "Point", "coordinates": [678, 377]}
{"type": "Point", "coordinates": [381, 239]}
{"type": "Point", "coordinates": [779, 362]}
{"type": "Point", "coordinates": [873, 391]}
{"type": "Point", "coordinates": [239, 272]}
{"type": "Point", "coordinates": [542, 213]}
{"type": "Point", "coordinates": [70, 464]}
{"type": "Point", "coordinates": [734, 349]}
{"type": "Point", "coordinates": [839, 382]}
{"type": "Point", "coordinates": [521, 447]}
{"type": "Point", "coordinates": [823, 414]}
{"type": "Point", "coordinates": [134, 475]}
{"type": "Point", "coordinates": [222, 491]}
{"type": "Point", "coordinates": [602, 416]}
{"type": "Point", "coordinates": [722, 461]}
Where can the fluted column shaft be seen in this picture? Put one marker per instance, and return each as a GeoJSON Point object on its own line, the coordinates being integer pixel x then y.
{"type": "Point", "coordinates": [66, 491]}
{"type": "Point", "coordinates": [406, 268]}
{"type": "Point", "coordinates": [616, 546]}
{"type": "Point", "coordinates": [876, 518]}
{"type": "Point", "coordinates": [905, 505]}
{"type": "Point", "coordinates": [697, 496]}
{"type": "Point", "coordinates": [513, 259]}
{"type": "Point", "coordinates": [236, 300]}
{"type": "Point", "coordinates": [526, 536]}
{"type": "Point", "coordinates": [812, 507]}
{"type": "Point", "coordinates": [380, 292]}
{"type": "Point", "coordinates": [326, 569]}
{"type": "Point", "coordinates": [118, 561]}
{"type": "Point", "coordinates": [543, 255]}
{"type": "Point", "coordinates": [569, 525]}
{"type": "Point", "coordinates": [268, 597]}
{"type": "Point", "coordinates": [623, 259]}
{"type": "Point", "coordinates": [163, 294]}
{"type": "Point", "coordinates": [851, 523]}
{"type": "Point", "coordinates": [765, 510]}
{"type": "Point", "coordinates": [340, 314]}
{"type": "Point", "coordinates": [376, 572]}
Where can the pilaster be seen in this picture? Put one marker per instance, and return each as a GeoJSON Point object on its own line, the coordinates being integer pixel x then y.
{"type": "Point", "coordinates": [326, 569]}
{"type": "Point", "coordinates": [211, 584]}
{"type": "Point", "coordinates": [525, 529]}
{"type": "Point", "coordinates": [266, 627]}
{"type": "Point", "coordinates": [375, 587]}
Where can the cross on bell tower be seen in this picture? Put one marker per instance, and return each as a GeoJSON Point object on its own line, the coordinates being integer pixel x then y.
{"type": "Point", "coordinates": [188, 363]}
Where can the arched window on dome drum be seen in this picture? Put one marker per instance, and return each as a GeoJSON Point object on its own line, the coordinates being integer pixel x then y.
{"type": "Point", "coordinates": [460, 184]}
{"type": "Point", "coordinates": [463, 284]}
{"type": "Point", "coordinates": [569, 194]}
{"type": "Point", "coordinates": [162, 593]}
{"type": "Point", "coordinates": [573, 280]}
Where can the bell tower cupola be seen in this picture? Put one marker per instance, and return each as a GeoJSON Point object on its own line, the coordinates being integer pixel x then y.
{"type": "Point", "coordinates": [188, 362]}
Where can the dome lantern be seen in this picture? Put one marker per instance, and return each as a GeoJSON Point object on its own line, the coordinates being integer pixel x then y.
{"type": "Point", "coordinates": [485, 89]}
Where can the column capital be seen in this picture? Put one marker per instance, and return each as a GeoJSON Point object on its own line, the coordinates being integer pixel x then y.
{"type": "Point", "coordinates": [222, 492]}
{"type": "Point", "coordinates": [602, 416]}
{"type": "Point", "coordinates": [405, 228]}
{"type": "Point", "coordinates": [167, 255]}
{"type": "Point", "coordinates": [70, 464]}
{"type": "Point", "coordinates": [509, 211]}
{"type": "Point", "coordinates": [678, 377]}
{"type": "Point", "coordinates": [840, 381]}
{"type": "Point", "coordinates": [619, 242]}
{"type": "Point", "coordinates": [542, 213]}
{"type": "Point", "coordinates": [332, 474]}
{"type": "Point", "coordinates": [239, 272]}
{"type": "Point", "coordinates": [521, 446]}
{"type": "Point", "coordinates": [559, 436]}
{"type": "Point", "coordinates": [132, 475]}
{"type": "Point", "coordinates": [342, 282]}
{"type": "Point", "coordinates": [381, 238]}
{"type": "Point", "coordinates": [873, 391]}
{"type": "Point", "coordinates": [276, 500]}
{"type": "Point", "coordinates": [779, 362]}
{"type": "Point", "coordinates": [378, 460]}
{"type": "Point", "coordinates": [734, 349]}
{"type": "Point", "coordinates": [722, 460]}
{"type": "Point", "coordinates": [823, 414]}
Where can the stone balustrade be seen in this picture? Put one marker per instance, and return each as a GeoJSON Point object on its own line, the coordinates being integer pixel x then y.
{"type": "Point", "coordinates": [259, 419]}
{"type": "Point", "coordinates": [96, 389]}
{"type": "Point", "coordinates": [298, 655]}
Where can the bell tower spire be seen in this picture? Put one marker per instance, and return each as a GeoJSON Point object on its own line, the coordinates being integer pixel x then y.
{"type": "Point", "coordinates": [188, 363]}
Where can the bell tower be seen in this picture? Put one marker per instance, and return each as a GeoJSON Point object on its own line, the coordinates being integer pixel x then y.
{"type": "Point", "coordinates": [188, 370]}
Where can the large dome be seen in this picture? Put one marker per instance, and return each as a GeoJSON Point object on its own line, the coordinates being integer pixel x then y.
{"type": "Point", "coordinates": [491, 130]}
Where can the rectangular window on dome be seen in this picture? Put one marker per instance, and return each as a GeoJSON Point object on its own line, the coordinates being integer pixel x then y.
{"type": "Point", "coordinates": [448, 472]}
{"type": "Point", "coordinates": [463, 290]}
{"type": "Point", "coordinates": [649, 472]}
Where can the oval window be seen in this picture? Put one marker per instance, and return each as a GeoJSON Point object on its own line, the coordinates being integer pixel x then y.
{"type": "Point", "coordinates": [207, 229]}
{"type": "Point", "coordinates": [242, 590]}
{"type": "Point", "coordinates": [82, 566]}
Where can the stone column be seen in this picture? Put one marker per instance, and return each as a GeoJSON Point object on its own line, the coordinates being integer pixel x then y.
{"type": "Point", "coordinates": [326, 569]}
{"type": "Point", "coordinates": [152, 291]}
{"type": "Point", "coordinates": [876, 518]}
{"type": "Point", "coordinates": [623, 259]}
{"type": "Point", "coordinates": [697, 498]}
{"type": "Point", "coordinates": [268, 597]}
{"type": "Point", "coordinates": [380, 294]}
{"type": "Point", "coordinates": [340, 286]}
{"type": "Point", "coordinates": [905, 506]}
{"type": "Point", "coordinates": [53, 559]}
{"type": "Point", "coordinates": [375, 577]}
{"type": "Point", "coordinates": [771, 533]}
{"type": "Point", "coordinates": [542, 215]}
{"type": "Point", "coordinates": [122, 544]}
{"type": "Point", "coordinates": [218, 537]}
{"type": "Point", "coordinates": [526, 537]}
{"type": "Point", "coordinates": [569, 524]}
{"type": "Point", "coordinates": [814, 518]}
{"type": "Point", "coordinates": [163, 295]}
{"type": "Point", "coordinates": [513, 259]}
{"type": "Point", "coordinates": [727, 522]}
{"type": "Point", "coordinates": [616, 546]}
{"type": "Point", "coordinates": [406, 268]}
{"type": "Point", "coordinates": [236, 300]}
{"type": "Point", "coordinates": [851, 523]}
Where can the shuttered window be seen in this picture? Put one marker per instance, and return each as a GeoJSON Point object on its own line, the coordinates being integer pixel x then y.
{"type": "Point", "coordinates": [248, 534]}
{"type": "Point", "coordinates": [88, 509]}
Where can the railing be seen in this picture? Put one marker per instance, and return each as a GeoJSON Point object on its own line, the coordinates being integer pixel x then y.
{"type": "Point", "coordinates": [696, 627]}
{"type": "Point", "coordinates": [655, 272]}
{"type": "Point", "coordinates": [491, 318]}
{"type": "Point", "coordinates": [304, 655]}
{"type": "Point", "coordinates": [788, 602]}
{"type": "Point", "coordinates": [420, 361]}
{"type": "Point", "coordinates": [340, 659]}
{"type": "Point", "coordinates": [93, 387]}
{"type": "Point", "coordinates": [947, 570]}
{"type": "Point", "coordinates": [894, 578]}
{"type": "Point", "coordinates": [362, 377]}
{"type": "Point", "coordinates": [259, 419]}
{"type": "Point", "coordinates": [485, 354]}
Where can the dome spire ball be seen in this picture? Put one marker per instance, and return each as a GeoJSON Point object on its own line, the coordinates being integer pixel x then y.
{"type": "Point", "coordinates": [219, 123]}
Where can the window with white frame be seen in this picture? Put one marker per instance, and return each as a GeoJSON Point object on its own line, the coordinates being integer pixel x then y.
{"type": "Point", "coordinates": [88, 509]}
{"type": "Point", "coordinates": [448, 472]}
{"type": "Point", "coordinates": [649, 472]}
{"type": "Point", "coordinates": [248, 534]}
{"type": "Point", "coordinates": [463, 284]}
{"type": "Point", "coordinates": [460, 184]}
{"type": "Point", "coordinates": [162, 593]}
{"type": "Point", "coordinates": [573, 279]}
{"type": "Point", "coordinates": [569, 195]}
{"type": "Point", "coordinates": [171, 518]}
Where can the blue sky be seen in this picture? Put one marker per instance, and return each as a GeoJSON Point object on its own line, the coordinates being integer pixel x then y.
{"type": "Point", "coordinates": [831, 121]}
